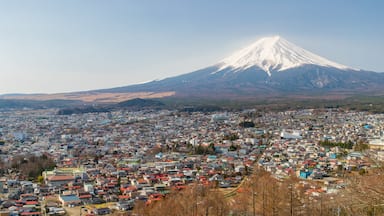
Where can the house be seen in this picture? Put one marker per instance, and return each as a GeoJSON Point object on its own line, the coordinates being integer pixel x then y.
{"type": "Point", "coordinates": [211, 158]}
{"type": "Point", "coordinates": [380, 155]}
{"type": "Point", "coordinates": [377, 143]}
{"type": "Point", "coordinates": [125, 205]}
{"type": "Point", "coordinates": [101, 211]}
{"type": "Point", "coordinates": [84, 196]}
{"type": "Point", "coordinates": [67, 200]}
{"type": "Point", "coordinates": [59, 180]}
{"type": "Point", "coordinates": [305, 174]}
{"type": "Point", "coordinates": [160, 187]}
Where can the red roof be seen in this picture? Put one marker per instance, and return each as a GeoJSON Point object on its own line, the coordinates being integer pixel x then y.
{"type": "Point", "coordinates": [86, 196]}
{"type": "Point", "coordinates": [141, 181]}
{"type": "Point", "coordinates": [61, 178]}
{"type": "Point", "coordinates": [124, 197]}
{"type": "Point", "coordinates": [164, 178]}
{"type": "Point", "coordinates": [129, 188]}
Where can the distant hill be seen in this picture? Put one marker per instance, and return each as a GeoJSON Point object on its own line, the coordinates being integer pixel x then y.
{"type": "Point", "coordinates": [19, 104]}
{"type": "Point", "coordinates": [140, 103]}
{"type": "Point", "coordinates": [134, 104]}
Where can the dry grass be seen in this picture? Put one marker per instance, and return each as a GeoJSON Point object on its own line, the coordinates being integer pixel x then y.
{"type": "Point", "coordinates": [91, 96]}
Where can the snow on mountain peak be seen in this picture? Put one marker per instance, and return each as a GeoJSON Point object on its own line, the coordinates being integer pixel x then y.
{"type": "Point", "coordinates": [275, 54]}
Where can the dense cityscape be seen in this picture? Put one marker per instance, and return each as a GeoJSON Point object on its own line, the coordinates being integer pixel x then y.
{"type": "Point", "coordinates": [122, 162]}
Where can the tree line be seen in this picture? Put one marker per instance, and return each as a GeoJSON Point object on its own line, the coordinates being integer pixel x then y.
{"type": "Point", "coordinates": [264, 194]}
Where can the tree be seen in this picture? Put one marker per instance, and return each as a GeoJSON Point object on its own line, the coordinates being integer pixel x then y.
{"type": "Point", "coordinates": [233, 147]}
{"type": "Point", "coordinates": [211, 148]}
{"type": "Point", "coordinates": [32, 166]}
{"type": "Point", "coordinates": [195, 200]}
{"type": "Point", "coordinates": [360, 146]}
{"type": "Point", "coordinates": [40, 179]}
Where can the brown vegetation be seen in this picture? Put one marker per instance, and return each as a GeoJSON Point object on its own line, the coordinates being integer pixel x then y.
{"type": "Point", "coordinates": [364, 194]}
{"type": "Point", "coordinates": [194, 200]}
{"type": "Point", "coordinates": [263, 194]}
{"type": "Point", "coordinates": [92, 96]}
{"type": "Point", "coordinates": [31, 166]}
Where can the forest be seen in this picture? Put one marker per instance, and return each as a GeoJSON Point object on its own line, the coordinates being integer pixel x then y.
{"type": "Point", "coordinates": [263, 194]}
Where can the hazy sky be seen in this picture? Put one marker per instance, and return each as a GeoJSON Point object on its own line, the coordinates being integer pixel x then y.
{"type": "Point", "coordinates": [49, 46]}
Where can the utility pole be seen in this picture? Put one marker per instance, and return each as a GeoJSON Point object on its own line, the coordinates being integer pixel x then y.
{"type": "Point", "coordinates": [264, 200]}
{"type": "Point", "coordinates": [195, 206]}
{"type": "Point", "coordinates": [321, 205]}
{"type": "Point", "coordinates": [253, 203]}
{"type": "Point", "coordinates": [253, 197]}
{"type": "Point", "coordinates": [291, 192]}
{"type": "Point", "coordinates": [373, 210]}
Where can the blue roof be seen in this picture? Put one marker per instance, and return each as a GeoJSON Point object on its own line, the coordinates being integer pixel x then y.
{"type": "Point", "coordinates": [70, 198]}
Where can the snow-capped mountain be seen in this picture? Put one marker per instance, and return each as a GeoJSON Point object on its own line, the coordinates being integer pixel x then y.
{"type": "Point", "coordinates": [271, 66]}
{"type": "Point", "coordinates": [275, 54]}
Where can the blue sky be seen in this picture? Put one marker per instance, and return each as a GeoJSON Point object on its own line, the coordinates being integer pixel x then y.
{"type": "Point", "coordinates": [49, 46]}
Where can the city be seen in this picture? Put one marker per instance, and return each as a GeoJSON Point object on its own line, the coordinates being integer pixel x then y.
{"type": "Point", "coordinates": [112, 163]}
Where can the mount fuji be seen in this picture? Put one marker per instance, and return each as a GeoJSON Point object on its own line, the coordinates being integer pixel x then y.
{"type": "Point", "coordinates": [271, 66]}
{"type": "Point", "coordinates": [275, 54]}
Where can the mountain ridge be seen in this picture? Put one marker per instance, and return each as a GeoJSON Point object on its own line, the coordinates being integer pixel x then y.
{"type": "Point", "coordinates": [271, 67]}
{"type": "Point", "coordinates": [275, 54]}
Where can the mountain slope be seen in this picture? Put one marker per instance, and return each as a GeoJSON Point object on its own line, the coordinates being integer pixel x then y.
{"type": "Point", "coordinates": [275, 54]}
{"type": "Point", "coordinates": [267, 68]}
